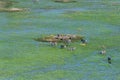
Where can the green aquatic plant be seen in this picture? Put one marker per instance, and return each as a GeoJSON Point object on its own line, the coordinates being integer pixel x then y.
{"type": "Point", "coordinates": [23, 58]}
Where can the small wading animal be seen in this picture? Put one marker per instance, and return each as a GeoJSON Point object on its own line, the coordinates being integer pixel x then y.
{"type": "Point", "coordinates": [53, 43]}
{"type": "Point", "coordinates": [62, 46]}
{"type": "Point", "coordinates": [109, 60]}
{"type": "Point", "coordinates": [102, 52]}
{"type": "Point", "coordinates": [83, 41]}
{"type": "Point", "coordinates": [72, 48]}
{"type": "Point", "coordinates": [67, 41]}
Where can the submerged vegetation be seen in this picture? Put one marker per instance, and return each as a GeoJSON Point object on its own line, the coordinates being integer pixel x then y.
{"type": "Point", "coordinates": [23, 58]}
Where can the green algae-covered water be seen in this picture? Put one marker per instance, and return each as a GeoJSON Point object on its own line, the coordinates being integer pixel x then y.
{"type": "Point", "coordinates": [23, 58]}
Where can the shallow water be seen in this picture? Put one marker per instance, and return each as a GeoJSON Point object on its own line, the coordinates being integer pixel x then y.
{"type": "Point", "coordinates": [57, 11]}
{"type": "Point", "coordinates": [23, 58]}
